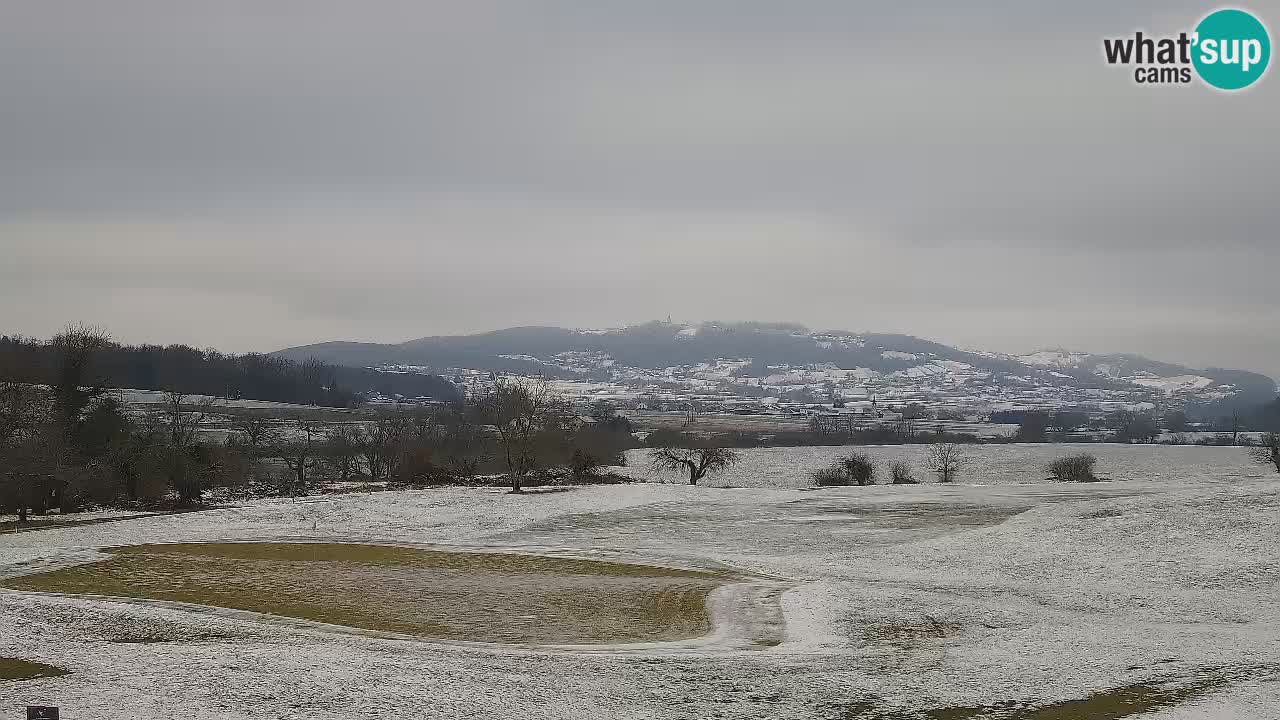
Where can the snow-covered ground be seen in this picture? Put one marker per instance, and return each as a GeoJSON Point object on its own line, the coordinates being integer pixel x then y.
{"type": "Point", "coordinates": [901, 599]}
{"type": "Point", "coordinates": [158, 397]}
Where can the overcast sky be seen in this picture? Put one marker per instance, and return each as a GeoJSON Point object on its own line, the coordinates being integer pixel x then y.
{"type": "Point", "coordinates": [252, 175]}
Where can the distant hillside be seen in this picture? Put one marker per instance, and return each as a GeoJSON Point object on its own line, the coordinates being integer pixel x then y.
{"type": "Point", "coordinates": [598, 354]}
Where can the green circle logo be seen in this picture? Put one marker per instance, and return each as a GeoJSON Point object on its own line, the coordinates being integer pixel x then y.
{"type": "Point", "coordinates": [1232, 49]}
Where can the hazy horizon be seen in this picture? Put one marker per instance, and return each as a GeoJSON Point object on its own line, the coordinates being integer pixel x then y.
{"type": "Point", "coordinates": [254, 177]}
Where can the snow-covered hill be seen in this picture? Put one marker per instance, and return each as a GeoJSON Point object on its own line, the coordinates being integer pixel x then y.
{"type": "Point", "coordinates": [761, 360]}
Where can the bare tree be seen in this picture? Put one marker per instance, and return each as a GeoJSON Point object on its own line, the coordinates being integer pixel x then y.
{"type": "Point", "coordinates": [48, 457]}
{"type": "Point", "coordinates": [76, 346]}
{"type": "Point", "coordinates": [464, 438]}
{"type": "Point", "coordinates": [824, 425]}
{"type": "Point", "coordinates": [31, 448]}
{"type": "Point", "coordinates": [182, 418]}
{"type": "Point", "coordinates": [947, 461]}
{"type": "Point", "coordinates": [341, 451]}
{"type": "Point", "coordinates": [900, 472]}
{"type": "Point", "coordinates": [421, 447]}
{"type": "Point", "coordinates": [909, 419]}
{"type": "Point", "coordinates": [253, 430]}
{"type": "Point", "coordinates": [1133, 426]}
{"type": "Point", "coordinates": [1268, 453]}
{"type": "Point", "coordinates": [520, 410]}
{"type": "Point", "coordinates": [181, 421]}
{"type": "Point", "coordinates": [649, 401]}
{"type": "Point", "coordinates": [697, 461]}
{"type": "Point", "coordinates": [300, 453]}
{"type": "Point", "coordinates": [692, 411]}
{"type": "Point", "coordinates": [380, 442]}
{"type": "Point", "coordinates": [138, 458]}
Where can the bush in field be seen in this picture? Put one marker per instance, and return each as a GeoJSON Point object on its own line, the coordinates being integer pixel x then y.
{"type": "Point", "coordinates": [860, 468]}
{"type": "Point", "coordinates": [1074, 468]}
{"type": "Point", "coordinates": [947, 461]}
{"type": "Point", "coordinates": [584, 466]}
{"type": "Point", "coordinates": [830, 476]}
{"type": "Point", "coordinates": [855, 469]}
{"type": "Point", "coordinates": [901, 474]}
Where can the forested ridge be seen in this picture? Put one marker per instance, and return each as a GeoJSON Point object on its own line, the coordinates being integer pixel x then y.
{"type": "Point", "coordinates": [194, 371]}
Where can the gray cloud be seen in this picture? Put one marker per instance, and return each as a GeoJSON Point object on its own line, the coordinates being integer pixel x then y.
{"type": "Point", "coordinates": [254, 176]}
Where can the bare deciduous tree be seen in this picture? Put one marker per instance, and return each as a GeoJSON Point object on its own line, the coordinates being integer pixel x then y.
{"type": "Point", "coordinates": [300, 452]}
{"type": "Point", "coordinates": [341, 451]}
{"type": "Point", "coordinates": [181, 420]}
{"type": "Point", "coordinates": [692, 411]}
{"type": "Point", "coordinates": [1133, 426]}
{"type": "Point", "coordinates": [464, 438]}
{"type": "Point", "coordinates": [253, 431]}
{"type": "Point", "coordinates": [947, 461]}
{"type": "Point", "coordinates": [520, 410]}
{"type": "Point", "coordinates": [697, 461]}
{"type": "Point", "coordinates": [76, 346]}
{"type": "Point", "coordinates": [380, 442]}
{"type": "Point", "coordinates": [909, 418]}
{"type": "Point", "coordinates": [31, 448]}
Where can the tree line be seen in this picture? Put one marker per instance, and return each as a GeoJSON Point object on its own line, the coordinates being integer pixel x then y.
{"type": "Point", "coordinates": [1137, 426]}
{"type": "Point", "coordinates": [194, 371]}
{"type": "Point", "coordinates": [68, 443]}
{"type": "Point", "coordinates": [519, 432]}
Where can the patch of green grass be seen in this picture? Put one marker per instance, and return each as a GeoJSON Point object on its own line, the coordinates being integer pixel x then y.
{"type": "Point", "coordinates": [490, 597]}
{"type": "Point", "coordinates": [1123, 702]}
{"type": "Point", "coordinates": [16, 669]}
{"type": "Point", "coordinates": [1115, 704]}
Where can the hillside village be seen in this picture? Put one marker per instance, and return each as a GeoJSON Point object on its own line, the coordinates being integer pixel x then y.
{"type": "Point", "coordinates": [917, 385]}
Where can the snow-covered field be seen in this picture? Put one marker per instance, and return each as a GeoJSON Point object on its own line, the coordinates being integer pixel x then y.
{"type": "Point", "coordinates": [990, 464]}
{"type": "Point", "coordinates": [900, 600]}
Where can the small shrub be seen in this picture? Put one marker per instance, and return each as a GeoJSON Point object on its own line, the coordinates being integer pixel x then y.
{"type": "Point", "coordinates": [901, 474]}
{"type": "Point", "coordinates": [830, 476]}
{"type": "Point", "coordinates": [584, 466]}
{"type": "Point", "coordinates": [855, 469]}
{"type": "Point", "coordinates": [860, 468]}
{"type": "Point", "coordinates": [1074, 468]}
